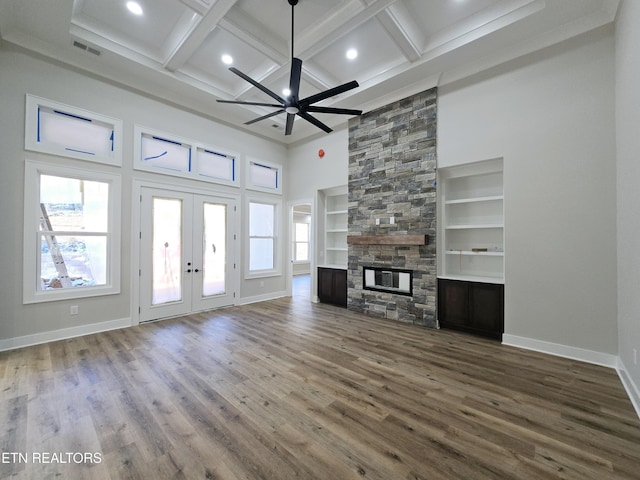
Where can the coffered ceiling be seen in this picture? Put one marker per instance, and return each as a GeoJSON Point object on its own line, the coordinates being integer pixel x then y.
{"type": "Point", "coordinates": [173, 50]}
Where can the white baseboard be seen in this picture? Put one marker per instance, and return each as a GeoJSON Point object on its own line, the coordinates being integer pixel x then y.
{"type": "Point", "coordinates": [632, 389]}
{"type": "Point", "coordinates": [588, 356]}
{"type": "Point", "coordinates": [62, 334]}
{"type": "Point", "coordinates": [574, 353]}
{"type": "Point", "coordinates": [262, 298]}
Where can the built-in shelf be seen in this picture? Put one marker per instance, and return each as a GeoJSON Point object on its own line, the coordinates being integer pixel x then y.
{"type": "Point", "coordinates": [471, 216]}
{"type": "Point", "coordinates": [492, 198]}
{"type": "Point", "coordinates": [387, 239]}
{"type": "Point", "coordinates": [477, 225]}
{"type": "Point", "coordinates": [471, 252]}
{"type": "Point", "coordinates": [333, 228]}
{"type": "Point", "coordinates": [476, 278]}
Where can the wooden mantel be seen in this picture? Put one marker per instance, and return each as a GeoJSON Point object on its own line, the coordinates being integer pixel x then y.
{"type": "Point", "coordinates": [388, 239]}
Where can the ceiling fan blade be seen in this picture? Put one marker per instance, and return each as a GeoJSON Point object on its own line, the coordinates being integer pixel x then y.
{"type": "Point", "coordinates": [259, 104]}
{"type": "Point", "coordinates": [294, 80]}
{"type": "Point", "coordinates": [257, 85]}
{"type": "Point", "coordinates": [339, 111]}
{"type": "Point", "coordinates": [329, 93]}
{"type": "Point", "coordinates": [315, 121]}
{"type": "Point", "coordinates": [290, 118]}
{"type": "Point", "coordinates": [268, 115]}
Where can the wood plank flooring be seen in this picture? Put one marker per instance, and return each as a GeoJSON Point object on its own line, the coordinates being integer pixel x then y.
{"type": "Point", "coordinates": [287, 389]}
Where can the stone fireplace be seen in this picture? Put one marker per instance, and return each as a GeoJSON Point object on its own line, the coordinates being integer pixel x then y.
{"type": "Point", "coordinates": [392, 198]}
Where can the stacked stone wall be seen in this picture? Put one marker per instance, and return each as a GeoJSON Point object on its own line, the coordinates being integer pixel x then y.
{"type": "Point", "coordinates": [392, 191]}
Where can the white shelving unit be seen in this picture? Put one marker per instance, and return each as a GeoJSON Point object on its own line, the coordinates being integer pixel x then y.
{"type": "Point", "coordinates": [471, 223]}
{"type": "Point", "coordinates": [334, 203]}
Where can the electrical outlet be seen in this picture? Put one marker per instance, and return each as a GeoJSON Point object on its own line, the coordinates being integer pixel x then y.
{"type": "Point", "coordinates": [392, 220]}
{"type": "Point", "coordinates": [261, 284]}
{"type": "Point", "coordinates": [73, 310]}
{"type": "Point", "coordinates": [635, 356]}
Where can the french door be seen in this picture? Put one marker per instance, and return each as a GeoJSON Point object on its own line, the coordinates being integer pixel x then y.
{"type": "Point", "coordinates": [187, 252]}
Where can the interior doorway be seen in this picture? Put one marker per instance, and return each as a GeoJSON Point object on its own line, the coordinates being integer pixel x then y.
{"type": "Point", "coordinates": [301, 248]}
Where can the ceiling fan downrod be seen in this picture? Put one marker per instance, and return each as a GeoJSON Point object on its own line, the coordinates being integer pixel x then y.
{"type": "Point", "coordinates": [293, 3]}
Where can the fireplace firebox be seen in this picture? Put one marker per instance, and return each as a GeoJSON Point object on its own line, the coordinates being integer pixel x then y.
{"type": "Point", "coordinates": [391, 280]}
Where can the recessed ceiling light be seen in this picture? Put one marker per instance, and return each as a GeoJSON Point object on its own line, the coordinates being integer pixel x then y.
{"type": "Point", "coordinates": [352, 53]}
{"type": "Point", "coordinates": [227, 59]}
{"type": "Point", "coordinates": [134, 7]}
{"type": "Point", "coordinates": [286, 92]}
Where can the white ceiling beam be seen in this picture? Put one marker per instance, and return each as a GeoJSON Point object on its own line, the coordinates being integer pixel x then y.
{"type": "Point", "coordinates": [192, 39]}
{"type": "Point", "coordinates": [399, 24]}
{"type": "Point", "coordinates": [196, 6]}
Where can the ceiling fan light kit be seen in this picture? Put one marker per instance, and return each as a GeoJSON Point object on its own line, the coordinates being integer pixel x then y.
{"type": "Point", "coordinates": [292, 105]}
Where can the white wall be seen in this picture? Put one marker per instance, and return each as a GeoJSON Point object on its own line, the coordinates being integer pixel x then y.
{"type": "Point", "coordinates": [551, 116]}
{"type": "Point", "coordinates": [307, 173]}
{"type": "Point", "coordinates": [21, 73]}
{"type": "Point", "coordinates": [628, 150]}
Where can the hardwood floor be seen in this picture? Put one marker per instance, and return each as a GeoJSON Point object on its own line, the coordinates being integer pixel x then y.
{"type": "Point", "coordinates": [287, 389]}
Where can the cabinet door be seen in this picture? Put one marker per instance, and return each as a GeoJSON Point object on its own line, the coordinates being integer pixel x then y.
{"type": "Point", "coordinates": [340, 287]}
{"type": "Point", "coordinates": [453, 303]}
{"type": "Point", "coordinates": [487, 311]}
{"type": "Point", "coordinates": [332, 286]}
{"type": "Point", "coordinates": [471, 307]}
{"type": "Point", "coordinates": [325, 284]}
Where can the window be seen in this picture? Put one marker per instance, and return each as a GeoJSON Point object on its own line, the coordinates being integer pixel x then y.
{"type": "Point", "coordinates": [301, 242]}
{"type": "Point", "coordinates": [169, 154]}
{"type": "Point", "coordinates": [165, 154]}
{"type": "Point", "coordinates": [264, 176]}
{"type": "Point", "coordinates": [59, 129]}
{"type": "Point", "coordinates": [216, 166]}
{"type": "Point", "coordinates": [263, 240]}
{"type": "Point", "coordinates": [72, 239]}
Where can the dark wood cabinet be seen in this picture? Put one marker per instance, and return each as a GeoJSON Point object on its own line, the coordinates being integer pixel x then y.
{"type": "Point", "coordinates": [332, 286]}
{"type": "Point", "coordinates": [472, 307]}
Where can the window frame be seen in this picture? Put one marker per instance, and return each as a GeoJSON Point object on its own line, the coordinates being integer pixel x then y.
{"type": "Point", "coordinates": [195, 149]}
{"type": "Point", "coordinates": [31, 256]}
{"type": "Point", "coordinates": [32, 131]}
{"type": "Point", "coordinates": [277, 247]}
{"type": "Point", "coordinates": [263, 163]}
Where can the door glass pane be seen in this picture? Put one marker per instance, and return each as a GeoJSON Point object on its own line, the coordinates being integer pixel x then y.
{"type": "Point", "coordinates": [214, 249]}
{"type": "Point", "coordinates": [167, 251]}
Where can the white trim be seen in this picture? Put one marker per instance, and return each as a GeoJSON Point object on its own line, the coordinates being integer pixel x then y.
{"type": "Point", "coordinates": [566, 351]}
{"type": "Point", "coordinates": [194, 147]}
{"type": "Point", "coordinates": [32, 126]}
{"type": "Point", "coordinates": [30, 292]}
{"type": "Point", "coordinates": [262, 298]}
{"type": "Point", "coordinates": [138, 185]}
{"type": "Point", "coordinates": [312, 244]}
{"type": "Point", "coordinates": [278, 235]}
{"type": "Point", "coordinates": [632, 389]}
{"type": "Point", "coordinates": [63, 333]}
{"type": "Point", "coordinates": [249, 161]}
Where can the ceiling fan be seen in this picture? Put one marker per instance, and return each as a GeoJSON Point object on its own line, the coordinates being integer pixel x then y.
{"type": "Point", "coordinates": [291, 104]}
